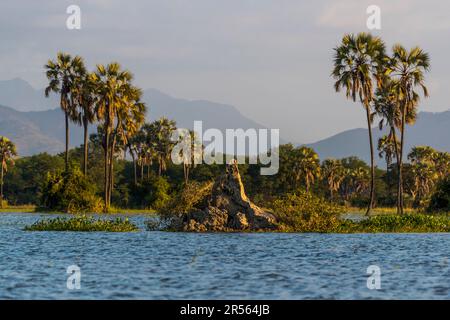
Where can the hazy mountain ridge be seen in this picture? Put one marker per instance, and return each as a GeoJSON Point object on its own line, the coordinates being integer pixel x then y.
{"type": "Point", "coordinates": [37, 131]}
{"type": "Point", "coordinates": [20, 95]}
{"type": "Point", "coordinates": [431, 128]}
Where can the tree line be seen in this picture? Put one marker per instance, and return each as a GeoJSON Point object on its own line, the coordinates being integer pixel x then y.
{"type": "Point", "coordinates": [386, 86]}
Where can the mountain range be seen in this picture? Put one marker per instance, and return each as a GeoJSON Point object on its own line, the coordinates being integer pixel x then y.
{"type": "Point", "coordinates": [36, 123]}
{"type": "Point", "coordinates": [432, 129]}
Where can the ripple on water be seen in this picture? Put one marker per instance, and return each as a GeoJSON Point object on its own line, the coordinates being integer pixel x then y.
{"type": "Point", "coordinates": [158, 265]}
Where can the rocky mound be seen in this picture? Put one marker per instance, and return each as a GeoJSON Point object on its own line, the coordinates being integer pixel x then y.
{"type": "Point", "coordinates": [227, 209]}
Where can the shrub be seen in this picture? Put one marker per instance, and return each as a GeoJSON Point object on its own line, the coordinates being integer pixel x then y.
{"type": "Point", "coordinates": [193, 196]}
{"type": "Point", "coordinates": [304, 212]}
{"type": "Point", "coordinates": [83, 223]}
{"type": "Point", "coordinates": [399, 223]}
{"type": "Point", "coordinates": [153, 193]}
{"type": "Point", "coordinates": [70, 192]}
{"type": "Point", "coordinates": [440, 200]}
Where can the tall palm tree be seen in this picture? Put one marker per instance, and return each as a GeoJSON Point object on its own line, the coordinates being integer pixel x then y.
{"type": "Point", "coordinates": [387, 107]}
{"type": "Point", "coordinates": [111, 83]}
{"type": "Point", "coordinates": [61, 74]}
{"type": "Point", "coordinates": [408, 68]}
{"type": "Point", "coordinates": [130, 118]}
{"type": "Point", "coordinates": [85, 94]}
{"type": "Point", "coordinates": [358, 68]}
{"type": "Point", "coordinates": [7, 153]}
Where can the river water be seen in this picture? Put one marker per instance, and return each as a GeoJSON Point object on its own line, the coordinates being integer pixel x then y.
{"type": "Point", "coordinates": [160, 265]}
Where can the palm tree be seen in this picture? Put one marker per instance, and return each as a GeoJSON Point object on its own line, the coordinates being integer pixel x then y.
{"type": "Point", "coordinates": [359, 177]}
{"type": "Point", "coordinates": [111, 83]}
{"type": "Point", "coordinates": [387, 149]}
{"type": "Point", "coordinates": [191, 158]}
{"type": "Point", "coordinates": [7, 154]}
{"type": "Point", "coordinates": [159, 135]}
{"type": "Point", "coordinates": [408, 69]}
{"type": "Point", "coordinates": [306, 166]}
{"type": "Point", "coordinates": [333, 174]}
{"type": "Point", "coordinates": [422, 154]}
{"type": "Point", "coordinates": [130, 118]}
{"type": "Point", "coordinates": [387, 107]}
{"type": "Point", "coordinates": [84, 91]}
{"type": "Point", "coordinates": [442, 164]}
{"type": "Point", "coordinates": [358, 61]}
{"type": "Point", "coordinates": [61, 74]}
{"type": "Point", "coordinates": [135, 145]}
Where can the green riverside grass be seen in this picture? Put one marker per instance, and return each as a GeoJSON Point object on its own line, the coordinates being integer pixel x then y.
{"type": "Point", "coordinates": [83, 224]}
{"type": "Point", "coordinates": [408, 223]}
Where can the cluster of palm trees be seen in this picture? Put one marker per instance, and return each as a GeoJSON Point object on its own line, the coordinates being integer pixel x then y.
{"type": "Point", "coordinates": [152, 144]}
{"type": "Point", "coordinates": [428, 167]}
{"type": "Point", "coordinates": [387, 86]}
{"type": "Point", "coordinates": [7, 153]}
{"type": "Point", "coordinates": [106, 96]}
{"type": "Point", "coordinates": [342, 180]}
{"type": "Point", "coordinates": [304, 168]}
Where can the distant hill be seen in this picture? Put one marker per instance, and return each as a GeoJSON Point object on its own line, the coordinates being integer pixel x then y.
{"type": "Point", "coordinates": [431, 129]}
{"type": "Point", "coordinates": [20, 95]}
{"type": "Point", "coordinates": [38, 131]}
{"type": "Point", "coordinates": [29, 136]}
{"type": "Point", "coordinates": [185, 112]}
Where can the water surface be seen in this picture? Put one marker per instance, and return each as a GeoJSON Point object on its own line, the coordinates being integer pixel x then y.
{"type": "Point", "coordinates": [159, 265]}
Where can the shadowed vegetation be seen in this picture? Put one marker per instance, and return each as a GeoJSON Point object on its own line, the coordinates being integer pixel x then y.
{"type": "Point", "coordinates": [83, 224]}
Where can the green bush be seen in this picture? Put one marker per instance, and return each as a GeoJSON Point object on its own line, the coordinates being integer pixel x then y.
{"type": "Point", "coordinates": [153, 193]}
{"type": "Point", "coordinates": [440, 200]}
{"type": "Point", "coordinates": [304, 212]}
{"type": "Point", "coordinates": [83, 223]}
{"type": "Point", "coordinates": [70, 192]}
{"type": "Point", "coordinates": [193, 196]}
{"type": "Point", "coordinates": [398, 223]}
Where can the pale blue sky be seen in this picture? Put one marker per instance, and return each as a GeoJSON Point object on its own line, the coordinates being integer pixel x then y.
{"type": "Point", "coordinates": [270, 59]}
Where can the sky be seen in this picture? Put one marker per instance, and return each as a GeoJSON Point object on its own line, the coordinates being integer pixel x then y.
{"type": "Point", "coordinates": [270, 59]}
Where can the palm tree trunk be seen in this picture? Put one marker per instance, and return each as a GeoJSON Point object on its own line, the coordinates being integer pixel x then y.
{"type": "Point", "coordinates": [372, 165]}
{"type": "Point", "coordinates": [86, 144]}
{"type": "Point", "coordinates": [67, 141]}
{"type": "Point", "coordinates": [106, 166]}
{"type": "Point", "coordinates": [400, 165]}
{"type": "Point", "coordinates": [397, 156]}
{"type": "Point", "coordinates": [134, 166]}
{"type": "Point", "coordinates": [1, 185]}
{"type": "Point", "coordinates": [111, 168]}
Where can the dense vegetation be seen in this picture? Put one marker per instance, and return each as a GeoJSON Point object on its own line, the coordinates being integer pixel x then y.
{"type": "Point", "coordinates": [83, 224]}
{"type": "Point", "coordinates": [126, 164]}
